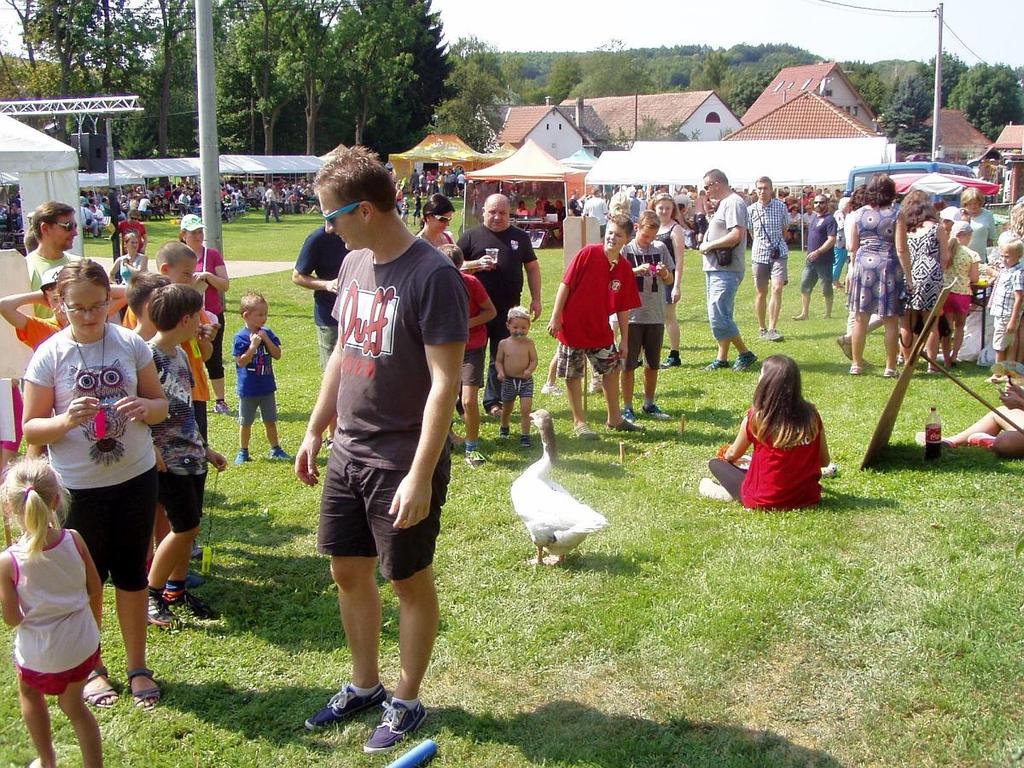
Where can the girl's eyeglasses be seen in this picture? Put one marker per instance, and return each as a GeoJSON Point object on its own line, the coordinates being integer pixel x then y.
{"type": "Point", "coordinates": [67, 226]}
{"type": "Point", "coordinates": [445, 219]}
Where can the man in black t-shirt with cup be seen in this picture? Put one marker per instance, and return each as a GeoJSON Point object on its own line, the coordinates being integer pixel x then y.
{"type": "Point", "coordinates": [498, 253]}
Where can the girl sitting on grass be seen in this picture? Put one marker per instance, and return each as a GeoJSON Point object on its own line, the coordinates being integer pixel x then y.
{"type": "Point", "coordinates": [789, 446]}
{"type": "Point", "coordinates": [51, 592]}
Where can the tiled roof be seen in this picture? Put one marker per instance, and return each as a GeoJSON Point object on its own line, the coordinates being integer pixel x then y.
{"type": "Point", "coordinates": [792, 81]}
{"type": "Point", "coordinates": [807, 116]}
{"type": "Point", "coordinates": [519, 121]}
{"type": "Point", "coordinates": [611, 116]}
{"type": "Point", "coordinates": [955, 130]}
{"type": "Point", "coordinates": [1011, 138]}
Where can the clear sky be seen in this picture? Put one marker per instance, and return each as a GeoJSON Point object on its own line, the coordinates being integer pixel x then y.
{"type": "Point", "coordinates": [993, 29]}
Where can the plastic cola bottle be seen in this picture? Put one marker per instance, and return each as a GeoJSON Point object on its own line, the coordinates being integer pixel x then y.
{"type": "Point", "coordinates": [933, 435]}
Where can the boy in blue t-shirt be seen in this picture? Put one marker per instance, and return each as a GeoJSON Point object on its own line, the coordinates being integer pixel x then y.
{"type": "Point", "coordinates": [256, 347]}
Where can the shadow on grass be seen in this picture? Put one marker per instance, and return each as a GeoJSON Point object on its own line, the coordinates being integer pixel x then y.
{"type": "Point", "coordinates": [904, 456]}
{"type": "Point", "coordinates": [275, 715]}
{"type": "Point", "coordinates": [286, 600]}
{"type": "Point", "coordinates": [719, 417]}
{"type": "Point", "coordinates": [835, 501]}
{"type": "Point", "coordinates": [568, 733]}
{"type": "Point", "coordinates": [615, 565]}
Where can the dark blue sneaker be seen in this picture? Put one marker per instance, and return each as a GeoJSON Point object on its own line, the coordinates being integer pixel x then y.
{"type": "Point", "coordinates": [744, 361]}
{"type": "Point", "coordinates": [628, 414]}
{"type": "Point", "coordinates": [396, 723]}
{"type": "Point", "coordinates": [716, 365]}
{"type": "Point", "coordinates": [242, 456]}
{"type": "Point", "coordinates": [277, 453]}
{"type": "Point", "coordinates": [655, 412]}
{"type": "Point", "coordinates": [344, 704]}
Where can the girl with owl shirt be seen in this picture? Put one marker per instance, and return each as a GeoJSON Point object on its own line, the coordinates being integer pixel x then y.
{"type": "Point", "coordinates": [91, 392]}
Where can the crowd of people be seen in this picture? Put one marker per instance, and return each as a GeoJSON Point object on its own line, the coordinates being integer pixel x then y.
{"type": "Point", "coordinates": [116, 394]}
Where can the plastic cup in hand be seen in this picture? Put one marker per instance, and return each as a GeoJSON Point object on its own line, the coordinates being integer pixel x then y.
{"type": "Point", "coordinates": [491, 258]}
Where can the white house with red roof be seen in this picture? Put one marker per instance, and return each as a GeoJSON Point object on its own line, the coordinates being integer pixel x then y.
{"type": "Point", "coordinates": [826, 79]}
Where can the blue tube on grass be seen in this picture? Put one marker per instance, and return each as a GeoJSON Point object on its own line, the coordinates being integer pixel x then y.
{"type": "Point", "coordinates": [417, 756]}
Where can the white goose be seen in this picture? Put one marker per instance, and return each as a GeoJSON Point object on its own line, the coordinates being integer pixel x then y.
{"type": "Point", "coordinates": [555, 520]}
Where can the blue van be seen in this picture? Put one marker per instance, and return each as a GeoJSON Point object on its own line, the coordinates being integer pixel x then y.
{"type": "Point", "coordinates": [860, 175]}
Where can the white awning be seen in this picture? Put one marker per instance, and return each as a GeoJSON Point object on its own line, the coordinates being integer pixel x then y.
{"type": "Point", "coordinates": [99, 180]}
{"type": "Point", "coordinates": [269, 164]}
{"type": "Point", "coordinates": [805, 161]}
{"type": "Point", "coordinates": [155, 168]}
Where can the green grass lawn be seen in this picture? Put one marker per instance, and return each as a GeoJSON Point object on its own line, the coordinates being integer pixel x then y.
{"type": "Point", "coordinates": [880, 629]}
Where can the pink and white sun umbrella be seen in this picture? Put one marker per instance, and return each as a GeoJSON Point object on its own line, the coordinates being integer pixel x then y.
{"type": "Point", "coordinates": [941, 183]}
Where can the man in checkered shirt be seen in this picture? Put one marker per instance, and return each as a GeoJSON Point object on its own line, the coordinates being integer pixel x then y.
{"type": "Point", "coordinates": [769, 256]}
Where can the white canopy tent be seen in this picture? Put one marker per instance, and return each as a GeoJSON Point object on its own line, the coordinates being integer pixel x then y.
{"type": "Point", "coordinates": [269, 164]}
{"type": "Point", "coordinates": [801, 161]}
{"type": "Point", "coordinates": [45, 168]}
{"type": "Point", "coordinates": [99, 180]}
{"type": "Point", "coordinates": [182, 167]}
{"type": "Point", "coordinates": [229, 165]}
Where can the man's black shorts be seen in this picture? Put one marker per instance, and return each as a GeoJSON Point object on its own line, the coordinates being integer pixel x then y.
{"type": "Point", "coordinates": [354, 519]}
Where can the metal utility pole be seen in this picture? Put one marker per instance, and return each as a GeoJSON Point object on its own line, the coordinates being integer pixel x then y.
{"type": "Point", "coordinates": [113, 191]}
{"type": "Point", "coordinates": [209, 160]}
{"type": "Point", "coordinates": [938, 89]}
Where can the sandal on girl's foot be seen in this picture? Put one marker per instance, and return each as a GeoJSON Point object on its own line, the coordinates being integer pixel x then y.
{"type": "Point", "coordinates": [856, 370]}
{"type": "Point", "coordinates": [147, 698]}
{"type": "Point", "coordinates": [99, 698]}
{"type": "Point", "coordinates": [890, 373]}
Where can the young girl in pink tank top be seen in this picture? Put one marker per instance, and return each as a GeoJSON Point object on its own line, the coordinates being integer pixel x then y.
{"type": "Point", "coordinates": [51, 592]}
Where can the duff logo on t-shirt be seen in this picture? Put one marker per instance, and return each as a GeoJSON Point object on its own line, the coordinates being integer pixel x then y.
{"type": "Point", "coordinates": [615, 285]}
{"type": "Point", "coordinates": [367, 319]}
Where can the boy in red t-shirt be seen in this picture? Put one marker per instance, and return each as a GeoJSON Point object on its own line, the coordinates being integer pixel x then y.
{"type": "Point", "coordinates": [598, 283]}
{"type": "Point", "coordinates": [481, 312]}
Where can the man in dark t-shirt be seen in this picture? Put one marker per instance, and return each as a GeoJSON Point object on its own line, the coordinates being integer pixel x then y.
{"type": "Point", "coordinates": [498, 254]}
{"type": "Point", "coordinates": [821, 242]}
{"type": "Point", "coordinates": [403, 322]}
{"type": "Point", "coordinates": [317, 269]}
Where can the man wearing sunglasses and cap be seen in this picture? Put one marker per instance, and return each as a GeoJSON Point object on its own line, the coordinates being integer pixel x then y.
{"type": "Point", "coordinates": [821, 241]}
{"type": "Point", "coordinates": [55, 228]}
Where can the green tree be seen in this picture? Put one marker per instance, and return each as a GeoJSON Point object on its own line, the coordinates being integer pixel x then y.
{"type": "Point", "coordinates": [712, 72]}
{"type": "Point", "coordinates": [742, 86]}
{"type": "Point", "coordinates": [431, 64]}
{"type": "Point", "coordinates": [953, 68]}
{"type": "Point", "coordinates": [512, 66]}
{"type": "Point", "coordinates": [903, 119]}
{"type": "Point", "coordinates": [990, 96]}
{"type": "Point", "coordinates": [475, 82]}
{"type": "Point", "coordinates": [566, 73]}
{"type": "Point", "coordinates": [312, 60]}
{"type": "Point", "coordinates": [376, 36]}
{"type": "Point", "coordinates": [172, 19]}
{"type": "Point", "coordinates": [256, 53]}
{"type": "Point", "coordinates": [869, 83]}
{"type": "Point", "coordinates": [613, 71]}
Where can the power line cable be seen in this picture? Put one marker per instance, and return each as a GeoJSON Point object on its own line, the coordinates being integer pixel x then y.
{"type": "Point", "coordinates": [873, 9]}
{"type": "Point", "coordinates": [965, 45]}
